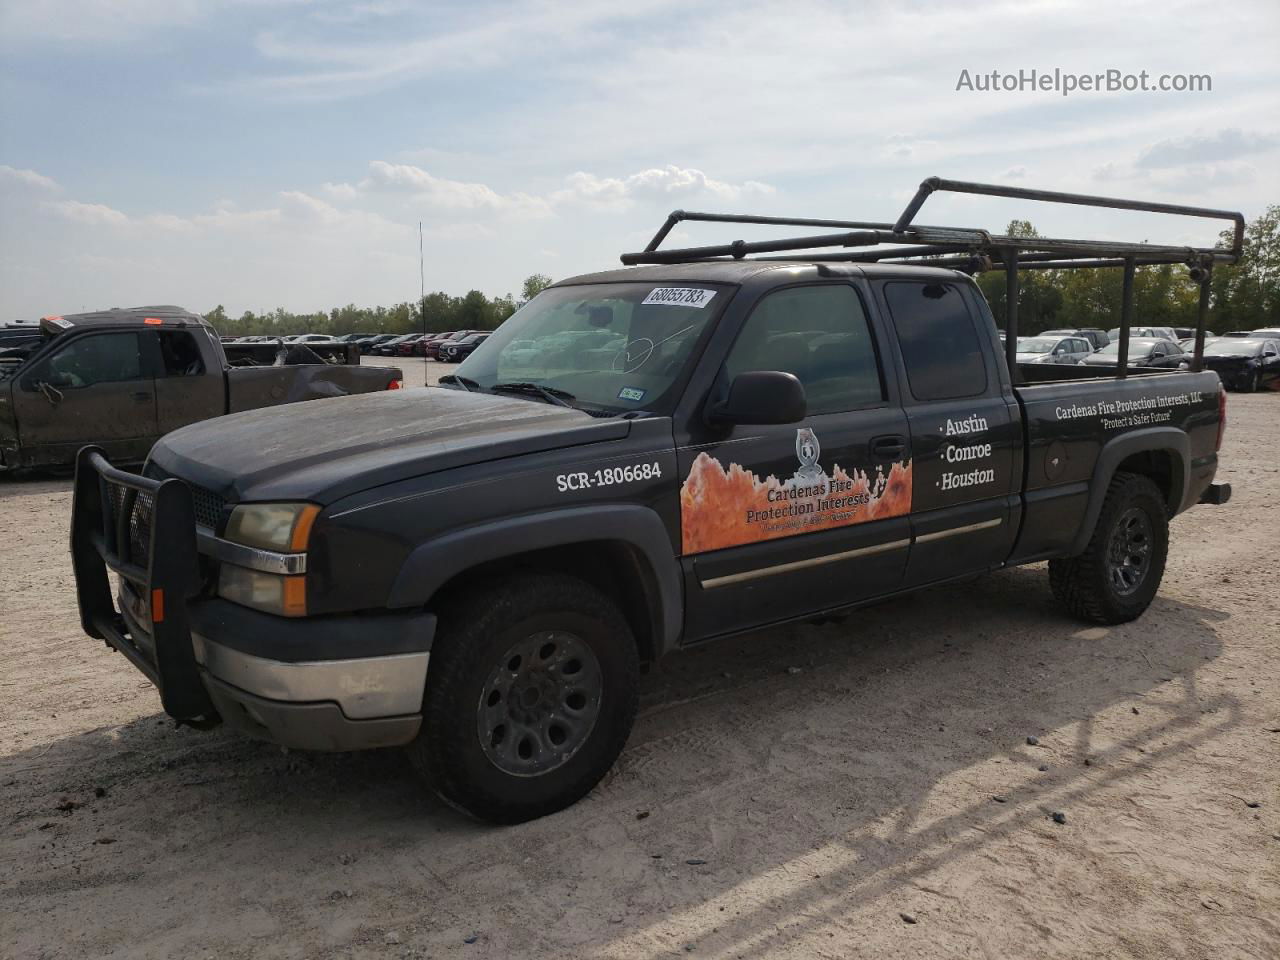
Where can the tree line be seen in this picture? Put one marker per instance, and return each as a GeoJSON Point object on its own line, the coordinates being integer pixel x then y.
{"type": "Point", "coordinates": [436, 313]}
{"type": "Point", "coordinates": [1243, 296]}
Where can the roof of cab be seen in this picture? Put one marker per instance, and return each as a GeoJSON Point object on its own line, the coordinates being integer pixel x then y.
{"type": "Point", "coordinates": [156, 316]}
{"type": "Point", "coordinates": [739, 271]}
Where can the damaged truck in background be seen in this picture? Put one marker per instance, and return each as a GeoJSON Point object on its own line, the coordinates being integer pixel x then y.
{"type": "Point", "coordinates": [122, 379]}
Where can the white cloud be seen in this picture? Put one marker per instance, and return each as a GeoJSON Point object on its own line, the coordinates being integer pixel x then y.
{"type": "Point", "coordinates": [1207, 148]}
{"type": "Point", "coordinates": [88, 213]}
{"type": "Point", "coordinates": [656, 182]}
{"type": "Point", "coordinates": [26, 178]}
{"type": "Point", "coordinates": [340, 191]}
{"type": "Point", "coordinates": [445, 194]}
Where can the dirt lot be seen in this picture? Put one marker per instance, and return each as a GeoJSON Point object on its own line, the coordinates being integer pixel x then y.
{"type": "Point", "coordinates": [799, 793]}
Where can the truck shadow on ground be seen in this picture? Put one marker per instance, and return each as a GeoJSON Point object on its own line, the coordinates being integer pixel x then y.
{"type": "Point", "coordinates": [821, 755]}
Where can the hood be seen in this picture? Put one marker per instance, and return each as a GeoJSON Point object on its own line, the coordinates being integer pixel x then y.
{"type": "Point", "coordinates": [1219, 361]}
{"type": "Point", "coordinates": [322, 450]}
{"type": "Point", "coordinates": [1031, 357]}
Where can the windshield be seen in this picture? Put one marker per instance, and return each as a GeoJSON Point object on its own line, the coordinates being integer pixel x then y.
{"type": "Point", "coordinates": [1036, 344]}
{"type": "Point", "coordinates": [1232, 348]}
{"type": "Point", "coordinates": [1136, 348]}
{"type": "Point", "coordinates": [609, 348]}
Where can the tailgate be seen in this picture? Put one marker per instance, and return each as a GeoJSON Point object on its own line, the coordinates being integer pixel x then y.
{"type": "Point", "coordinates": [144, 531]}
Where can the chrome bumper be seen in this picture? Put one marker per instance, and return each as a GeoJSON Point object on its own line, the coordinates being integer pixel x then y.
{"type": "Point", "coordinates": [351, 704]}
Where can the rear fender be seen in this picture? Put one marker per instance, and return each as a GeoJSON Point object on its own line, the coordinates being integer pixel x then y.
{"type": "Point", "coordinates": [1166, 440]}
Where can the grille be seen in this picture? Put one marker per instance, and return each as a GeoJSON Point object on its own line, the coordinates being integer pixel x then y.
{"type": "Point", "coordinates": [139, 545]}
{"type": "Point", "coordinates": [206, 504]}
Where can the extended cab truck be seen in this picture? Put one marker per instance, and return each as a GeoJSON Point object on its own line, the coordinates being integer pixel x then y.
{"type": "Point", "coordinates": [123, 378]}
{"type": "Point", "coordinates": [480, 576]}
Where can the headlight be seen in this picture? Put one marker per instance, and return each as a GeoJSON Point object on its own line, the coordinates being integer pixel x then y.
{"type": "Point", "coordinates": [272, 526]}
{"type": "Point", "coordinates": [269, 592]}
{"type": "Point", "coordinates": [278, 527]}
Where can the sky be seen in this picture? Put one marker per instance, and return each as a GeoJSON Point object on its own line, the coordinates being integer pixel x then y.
{"type": "Point", "coordinates": [281, 153]}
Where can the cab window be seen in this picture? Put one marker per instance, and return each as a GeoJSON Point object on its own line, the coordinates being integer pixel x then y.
{"type": "Point", "coordinates": [98, 358]}
{"type": "Point", "coordinates": [821, 335]}
{"type": "Point", "coordinates": [940, 345]}
{"type": "Point", "coordinates": [180, 354]}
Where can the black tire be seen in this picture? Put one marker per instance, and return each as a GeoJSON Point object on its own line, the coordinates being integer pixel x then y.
{"type": "Point", "coordinates": [546, 617]}
{"type": "Point", "coordinates": [1106, 584]}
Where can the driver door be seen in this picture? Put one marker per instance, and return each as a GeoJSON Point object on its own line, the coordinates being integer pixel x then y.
{"type": "Point", "coordinates": [94, 388]}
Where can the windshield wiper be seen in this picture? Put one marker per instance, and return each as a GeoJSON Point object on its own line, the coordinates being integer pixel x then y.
{"type": "Point", "coordinates": [466, 383]}
{"type": "Point", "coordinates": [550, 394]}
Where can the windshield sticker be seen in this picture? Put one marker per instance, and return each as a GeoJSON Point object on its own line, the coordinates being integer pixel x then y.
{"type": "Point", "coordinates": [679, 297]}
{"type": "Point", "coordinates": [726, 507]}
{"type": "Point", "coordinates": [631, 393]}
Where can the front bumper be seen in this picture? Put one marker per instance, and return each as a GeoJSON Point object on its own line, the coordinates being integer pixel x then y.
{"type": "Point", "coordinates": [321, 683]}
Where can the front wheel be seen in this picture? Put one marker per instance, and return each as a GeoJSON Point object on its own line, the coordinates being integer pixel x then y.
{"type": "Point", "coordinates": [1117, 576]}
{"type": "Point", "coordinates": [531, 694]}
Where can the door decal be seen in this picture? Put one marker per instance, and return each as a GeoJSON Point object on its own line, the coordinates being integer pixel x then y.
{"type": "Point", "coordinates": [725, 507]}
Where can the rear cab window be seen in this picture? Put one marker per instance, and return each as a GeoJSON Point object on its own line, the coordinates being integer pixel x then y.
{"type": "Point", "coordinates": [941, 346]}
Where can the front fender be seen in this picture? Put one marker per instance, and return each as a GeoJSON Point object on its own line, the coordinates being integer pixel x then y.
{"type": "Point", "coordinates": [434, 563]}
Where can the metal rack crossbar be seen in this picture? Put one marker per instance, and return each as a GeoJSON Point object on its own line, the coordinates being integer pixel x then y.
{"type": "Point", "coordinates": [972, 249]}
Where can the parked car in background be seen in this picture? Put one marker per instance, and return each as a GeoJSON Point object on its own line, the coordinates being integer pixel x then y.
{"type": "Point", "coordinates": [354, 337]}
{"type": "Point", "coordinates": [430, 345]}
{"type": "Point", "coordinates": [388, 347]}
{"type": "Point", "coordinates": [1163, 333]}
{"type": "Point", "coordinates": [309, 338]}
{"type": "Point", "coordinates": [407, 346]}
{"type": "Point", "coordinates": [369, 344]}
{"type": "Point", "coordinates": [1143, 352]}
{"type": "Point", "coordinates": [1097, 338]}
{"type": "Point", "coordinates": [455, 351]}
{"type": "Point", "coordinates": [1051, 349]}
{"type": "Point", "coordinates": [1189, 333]}
{"type": "Point", "coordinates": [1244, 364]}
{"type": "Point", "coordinates": [436, 351]}
{"type": "Point", "coordinates": [431, 349]}
{"type": "Point", "coordinates": [1268, 333]}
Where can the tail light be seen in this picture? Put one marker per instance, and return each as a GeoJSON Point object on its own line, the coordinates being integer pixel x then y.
{"type": "Point", "coordinates": [1222, 416]}
{"type": "Point", "coordinates": [395, 384]}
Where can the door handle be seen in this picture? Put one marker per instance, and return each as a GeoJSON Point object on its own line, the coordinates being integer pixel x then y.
{"type": "Point", "coordinates": [890, 447]}
{"type": "Point", "coordinates": [141, 396]}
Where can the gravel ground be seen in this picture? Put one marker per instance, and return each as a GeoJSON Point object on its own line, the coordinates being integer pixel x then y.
{"type": "Point", "coordinates": [861, 789]}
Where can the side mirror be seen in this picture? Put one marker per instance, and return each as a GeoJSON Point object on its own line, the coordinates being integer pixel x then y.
{"type": "Point", "coordinates": [761, 397]}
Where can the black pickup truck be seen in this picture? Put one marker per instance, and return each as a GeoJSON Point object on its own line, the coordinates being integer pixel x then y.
{"type": "Point", "coordinates": [123, 378]}
{"type": "Point", "coordinates": [636, 462]}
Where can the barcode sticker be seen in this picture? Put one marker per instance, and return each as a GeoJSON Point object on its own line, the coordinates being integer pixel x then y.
{"type": "Point", "coordinates": [680, 296]}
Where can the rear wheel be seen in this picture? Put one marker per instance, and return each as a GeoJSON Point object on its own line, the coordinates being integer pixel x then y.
{"type": "Point", "coordinates": [531, 694]}
{"type": "Point", "coordinates": [1117, 576]}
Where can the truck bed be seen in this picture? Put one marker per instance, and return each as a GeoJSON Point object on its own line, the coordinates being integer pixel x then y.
{"type": "Point", "coordinates": [1067, 423]}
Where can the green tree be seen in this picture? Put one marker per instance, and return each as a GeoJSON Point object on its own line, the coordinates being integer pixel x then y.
{"type": "Point", "coordinates": [1246, 295]}
{"type": "Point", "coordinates": [474, 312]}
{"type": "Point", "coordinates": [533, 285]}
{"type": "Point", "coordinates": [1039, 291]}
